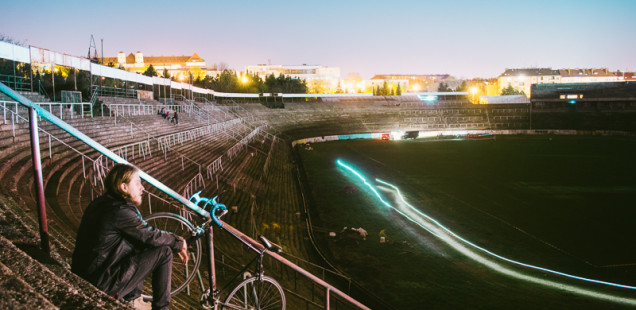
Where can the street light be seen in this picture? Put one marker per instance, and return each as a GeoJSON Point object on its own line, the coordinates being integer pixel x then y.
{"type": "Point", "coordinates": [473, 90]}
{"type": "Point", "coordinates": [182, 79]}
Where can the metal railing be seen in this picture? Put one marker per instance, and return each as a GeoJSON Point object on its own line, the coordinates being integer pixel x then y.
{"type": "Point", "coordinates": [61, 110]}
{"type": "Point", "coordinates": [36, 111]}
{"type": "Point", "coordinates": [42, 91]}
{"type": "Point", "coordinates": [16, 82]}
{"type": "Point", "coordinates": [115, 91]}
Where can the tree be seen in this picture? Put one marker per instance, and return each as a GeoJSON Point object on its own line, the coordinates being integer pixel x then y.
{"type": "Point", "coordinates": [398, 90]}
{"type": "Point", "coordinates": [508, 91]}
{"type": "Point", "coordinates": [5, 38]}
{"type": "Point", "coordinates": [222, 66]}
{"type": "Point", "coordinates": [339, 89]}
{"type": "Point", "coordinates": [443, 88]}
{"type": "Point", "coordinates": [462, 87]}
{"type": "Point", "coordinates": [150, 71]}
{"type": "Point", "coordinates": [165, 73]}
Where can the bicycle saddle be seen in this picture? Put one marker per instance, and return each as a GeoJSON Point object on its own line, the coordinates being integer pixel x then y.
{"type": "Point", "coordinates": [270, 245]}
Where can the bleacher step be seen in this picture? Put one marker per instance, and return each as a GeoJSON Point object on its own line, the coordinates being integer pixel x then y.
{"type": "Point", "coordinates": [42, 283]}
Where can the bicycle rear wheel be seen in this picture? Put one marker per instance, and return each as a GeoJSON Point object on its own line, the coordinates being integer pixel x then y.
{"type": "Point", "coordinates": [265, 294]}
{"type": "Point", "coordinates": [182, 273]}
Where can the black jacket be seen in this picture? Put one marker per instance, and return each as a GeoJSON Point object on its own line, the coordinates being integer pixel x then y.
{"type": "Point", "coordinates": [112, 230]}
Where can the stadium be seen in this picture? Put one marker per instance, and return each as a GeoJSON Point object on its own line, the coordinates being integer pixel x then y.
{"type": "Point", "coordinates": [382, 202]}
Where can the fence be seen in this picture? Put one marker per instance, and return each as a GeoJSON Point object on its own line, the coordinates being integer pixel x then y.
{"type": "Point", "coordinates": [16, 82]}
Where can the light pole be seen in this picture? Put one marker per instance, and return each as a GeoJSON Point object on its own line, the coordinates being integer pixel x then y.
{"type": "Point", "coordinates": [190, 78]}
{"type": "Point", "coordinates": [183, 79]}
{"type": "Point", "coordinates": [473, 90]}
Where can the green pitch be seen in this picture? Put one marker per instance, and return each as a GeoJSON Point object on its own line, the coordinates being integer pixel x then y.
{"type": "Point", "coordinates": [566, 203]}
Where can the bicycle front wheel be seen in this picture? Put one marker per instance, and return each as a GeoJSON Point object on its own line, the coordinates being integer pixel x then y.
{"type": "Point", "coordinates": [182, 273]}
{"type": "Point", "coordinates": [265, 294]}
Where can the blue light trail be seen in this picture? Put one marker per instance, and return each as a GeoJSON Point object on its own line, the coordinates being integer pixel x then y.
{"type": "Point", "coordinates": [430, 224]}
{"type": "Point", "coordinates": [379, 196]}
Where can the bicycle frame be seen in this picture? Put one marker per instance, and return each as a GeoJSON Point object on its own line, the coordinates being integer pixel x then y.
{"type": "Point", "coordinates": [213, 294]}
{"type": "Point", "coordinates": [212, 266]}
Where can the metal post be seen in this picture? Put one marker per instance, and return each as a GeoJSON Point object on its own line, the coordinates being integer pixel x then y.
{"type": "Point", "coordinates": [212, 278]}
{"type": "Point", "coordinates": [530, 115]}
{"type": "Point", "coordinates": [53, 80]}
{"type": "Point", "coordinates": [31, 69]}
{"type": "Point", "coordinates": [39, 184]}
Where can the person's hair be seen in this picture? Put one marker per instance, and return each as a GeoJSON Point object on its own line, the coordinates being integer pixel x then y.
{"type": "Point", "coordinates": [119, 174]}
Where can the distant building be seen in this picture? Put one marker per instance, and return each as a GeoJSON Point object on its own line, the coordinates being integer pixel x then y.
{"type": "Point", "coordinates": [627, 76]}
{"type": "Point", "coordinates": [410, 82]}
{"type": "Point", "coordinates": [177, 66]}
{"type": "Point", "coordinates": [318, 78]}
{"type": "Point", "coordinates": [587, 76]}
{"type": "Point", "coordinates": [523, 79]}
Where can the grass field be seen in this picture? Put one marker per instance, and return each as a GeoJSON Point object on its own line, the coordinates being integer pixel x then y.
{"type": "Point", "coordinates": [566, 203]}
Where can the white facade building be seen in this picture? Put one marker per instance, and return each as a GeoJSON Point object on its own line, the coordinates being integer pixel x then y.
{"type": "Point", "coordinates": [522, 79]}
{"type": "Point", "coordinates": [317, 77]}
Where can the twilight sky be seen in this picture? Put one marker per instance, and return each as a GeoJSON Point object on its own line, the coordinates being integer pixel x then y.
{"type": "Point", "coordinates": [460, 37]}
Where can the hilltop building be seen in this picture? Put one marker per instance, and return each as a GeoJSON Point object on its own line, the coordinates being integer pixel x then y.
{"type": "Point", "coordinates": [177, 66]}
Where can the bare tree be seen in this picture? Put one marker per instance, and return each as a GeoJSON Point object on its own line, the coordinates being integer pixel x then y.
{"type": "Point", "coordinates": [222, 66]}
{"type": "Point", "coordinates": [8, 39]}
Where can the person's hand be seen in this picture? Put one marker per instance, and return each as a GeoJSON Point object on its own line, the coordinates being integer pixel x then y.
{"type": "Point", "coordinates": [183, 254]}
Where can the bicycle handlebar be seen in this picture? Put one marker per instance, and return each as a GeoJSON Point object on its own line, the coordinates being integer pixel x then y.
{"type": "Point", "coordinates": [215, 206]}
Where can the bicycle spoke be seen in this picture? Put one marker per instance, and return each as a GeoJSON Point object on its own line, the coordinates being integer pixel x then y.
{"type": "Point", "coordinates": [261, 294]}
{"type": "Point", "coordinates": [182, 273]}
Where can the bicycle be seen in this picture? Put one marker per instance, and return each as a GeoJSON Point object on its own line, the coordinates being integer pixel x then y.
{"type": "Point", "coordinates": [255, 292]}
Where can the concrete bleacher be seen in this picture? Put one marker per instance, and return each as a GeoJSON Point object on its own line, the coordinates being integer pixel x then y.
{"type": "Point", "coordinates": [33, 96]}
{"type": "Point", "coordinates": [67, 189]}
{"type": "Point", "coordinates": [260, 179]}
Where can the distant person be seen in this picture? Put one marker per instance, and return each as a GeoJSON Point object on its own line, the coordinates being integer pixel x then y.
{"type": "Point", "coordinates": [175, 118]}
{"type": "Point", "coordinates": [115, 248]}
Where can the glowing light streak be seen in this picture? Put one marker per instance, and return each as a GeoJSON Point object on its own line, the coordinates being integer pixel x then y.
{"type": "Point", "coordinates": [497, 255]}
{"type": "Point", "coordinates": [360, 176]}
{"type": "Point", "coordinates": [365, 182]}
{"type": "Point", "coordinates": [462, 249]}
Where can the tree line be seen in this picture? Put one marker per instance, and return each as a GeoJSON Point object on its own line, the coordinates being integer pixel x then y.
{"type": "Point", "coordinates": [387, 90]}
{"type": "Point", "coordinates": [231, 82]}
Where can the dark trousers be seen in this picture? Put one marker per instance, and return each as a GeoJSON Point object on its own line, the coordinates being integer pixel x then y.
{"type": "Point", "coordinates": [157, 261]}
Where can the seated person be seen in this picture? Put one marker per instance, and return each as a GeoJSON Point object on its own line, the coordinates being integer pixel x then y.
{"type": "Point", "coordinates": [115, 248]}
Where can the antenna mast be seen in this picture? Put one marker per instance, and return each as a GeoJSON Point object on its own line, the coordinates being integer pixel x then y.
{"type": "Point", "coordinates": [91, 45]}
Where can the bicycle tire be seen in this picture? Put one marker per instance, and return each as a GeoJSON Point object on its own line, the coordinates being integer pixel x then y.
{"type": "Point", "coordinates": [182, 274]}
{"type": "Point", "coordinates": [244, 296]}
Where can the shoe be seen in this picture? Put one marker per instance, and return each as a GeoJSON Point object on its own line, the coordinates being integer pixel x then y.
{"type": "Point", "coordinates": [140, 304]}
